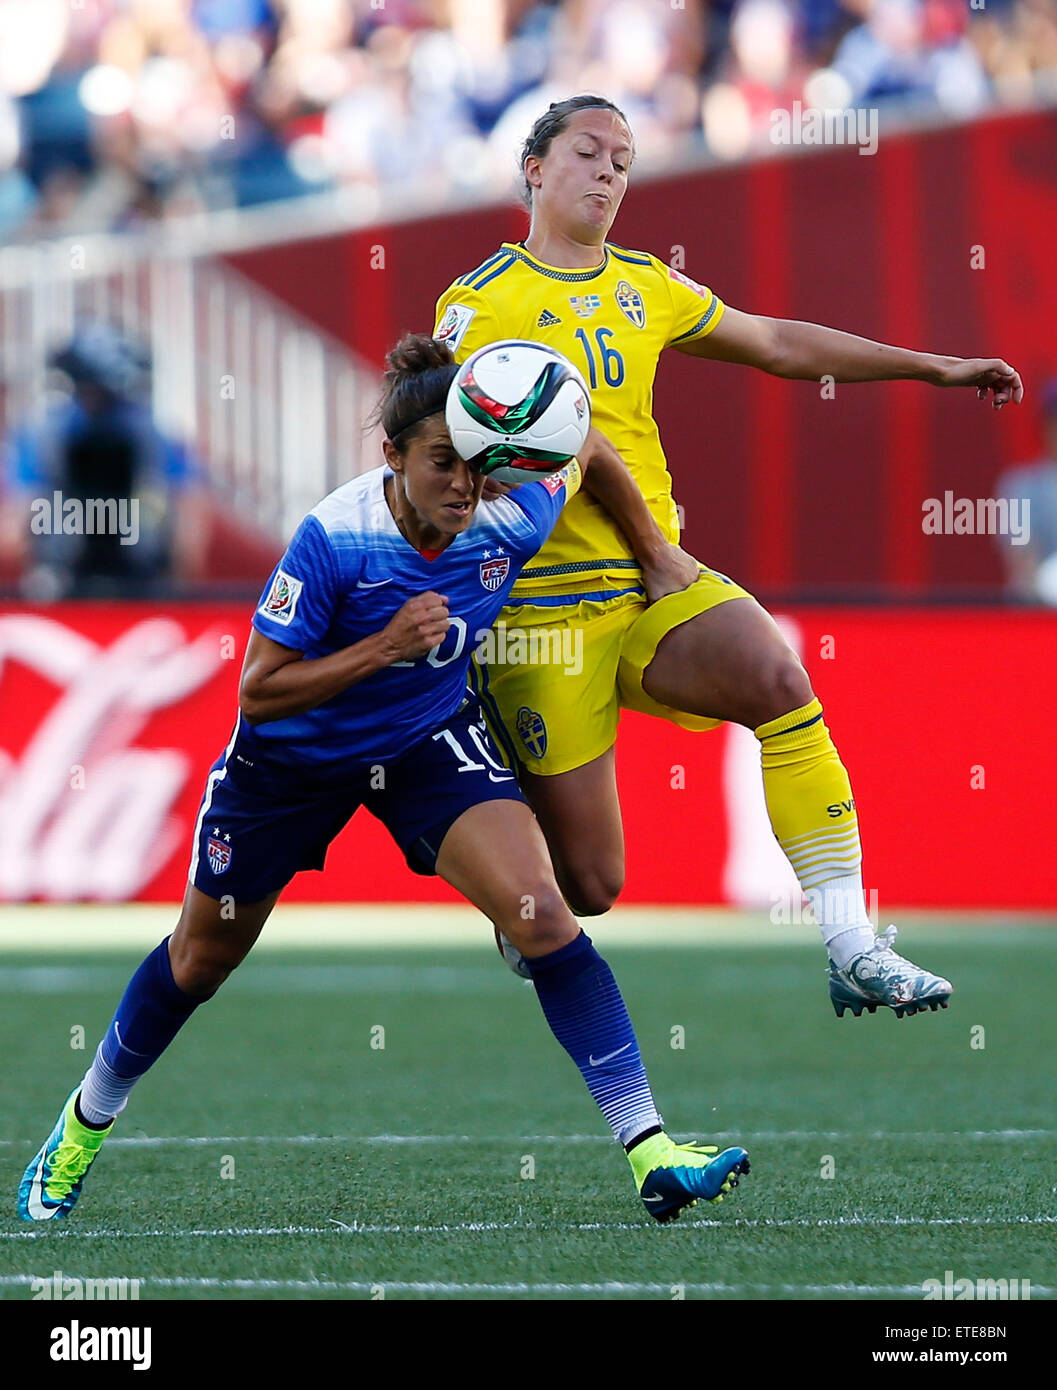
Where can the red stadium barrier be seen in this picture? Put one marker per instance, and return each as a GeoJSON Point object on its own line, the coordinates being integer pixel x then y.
{"type": "Point", "coordinates": [111, 715]}
{"type": "Point", "coordinates": [941, 241]}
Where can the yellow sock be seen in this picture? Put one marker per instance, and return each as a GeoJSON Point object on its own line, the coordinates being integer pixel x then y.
{"type": "Point", "coordinates": [812, 811]}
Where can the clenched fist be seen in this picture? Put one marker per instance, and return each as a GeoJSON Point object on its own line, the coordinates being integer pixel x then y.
{"type": "Point", "coordinates": [417, 627]}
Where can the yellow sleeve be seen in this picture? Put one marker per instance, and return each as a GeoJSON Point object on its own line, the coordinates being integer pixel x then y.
{"type": "Point", "coordinates": [465, 321]}
{"type": "Point", "coordinates": [570, 477]}
{"type": "Point", "coordinates": [695, 309]}
{"type": "Point", "coordinates": [574, 477]}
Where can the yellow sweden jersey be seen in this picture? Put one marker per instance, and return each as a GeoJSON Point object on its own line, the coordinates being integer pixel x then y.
{"type": "Point", "coordinates": [613, 323]}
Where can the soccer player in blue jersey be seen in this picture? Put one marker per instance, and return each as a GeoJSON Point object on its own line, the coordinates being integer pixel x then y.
{"type": "Point", "coordinates": [354, 693]}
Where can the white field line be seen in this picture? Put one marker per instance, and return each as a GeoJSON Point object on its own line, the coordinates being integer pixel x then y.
{"type": "Point", "coordinates": [764, 1135]}
{"type": "Point", "coordinates": [357, 1228]}
{"type": "Point", "coordinates": [438, 1286]}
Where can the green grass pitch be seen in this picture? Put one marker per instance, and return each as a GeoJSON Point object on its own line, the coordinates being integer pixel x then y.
{"type": "Point", "coordinates": [274, 1152]}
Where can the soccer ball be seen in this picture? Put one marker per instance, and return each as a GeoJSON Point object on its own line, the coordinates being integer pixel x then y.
{"type": "Point", "coordinates": [511, 954]}
{"type": "Point", "coordinates": [518, 410]}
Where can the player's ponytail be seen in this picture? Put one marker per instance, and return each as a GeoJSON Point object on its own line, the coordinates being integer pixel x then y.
{"type": "Point", "coordinates": [415, 386]}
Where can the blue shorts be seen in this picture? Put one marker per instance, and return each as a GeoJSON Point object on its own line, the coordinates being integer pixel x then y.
{"type": "Point", "coordinates": [261, 822]}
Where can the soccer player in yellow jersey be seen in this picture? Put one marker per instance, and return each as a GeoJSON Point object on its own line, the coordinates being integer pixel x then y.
{"type": "Point", "coordinates": [662, 633]}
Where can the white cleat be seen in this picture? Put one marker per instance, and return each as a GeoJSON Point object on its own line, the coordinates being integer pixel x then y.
{"type": "Point", "coordinates": [881, 977]}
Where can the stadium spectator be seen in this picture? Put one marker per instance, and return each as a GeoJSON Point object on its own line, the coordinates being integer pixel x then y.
{"type": "Point", "coordinates": [144, 109]}
{"type": "Point", "coordinates": [1031, 566]}
{"type": "Point", "coordinates": [915, 51]}
{"type": "Point", "coordinates": [98, 501]}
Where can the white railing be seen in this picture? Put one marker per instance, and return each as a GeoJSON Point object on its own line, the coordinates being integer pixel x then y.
{"type": "Point", "coordinates": [272, 405]}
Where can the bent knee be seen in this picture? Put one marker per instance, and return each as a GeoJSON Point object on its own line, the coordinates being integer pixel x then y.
{"type": "Point", "coordinates": [543, 922]}
{"type": "Point", "coordinates": [200, 971]}
{"type": "Point", "coordinates": [543, 913]}
{"type": "Point", "coordinates": [593, 892]}
{"type": "Point", "coordinates": [784, 686]}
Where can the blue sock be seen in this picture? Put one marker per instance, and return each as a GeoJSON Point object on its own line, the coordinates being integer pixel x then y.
{"type": "Point", "coordinates": [152, 1011]}
{"type": "Point", "coordinates": [587, 1015]}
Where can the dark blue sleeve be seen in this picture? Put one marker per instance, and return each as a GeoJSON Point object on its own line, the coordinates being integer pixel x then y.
{"type": "Point", "coordinates": [299, 600]}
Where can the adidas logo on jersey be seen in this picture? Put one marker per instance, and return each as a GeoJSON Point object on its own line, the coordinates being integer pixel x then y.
{"type": "Point", "coordinates": [547, 319]}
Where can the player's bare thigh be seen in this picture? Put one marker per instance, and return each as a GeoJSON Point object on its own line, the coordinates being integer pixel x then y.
{"type": "Point", "coordinates": [729, 663]}
{"type": "Point", "coordinates": [212, 937]}
{"type": "Point", "coordinates": [496, 856]}
{"type": "Point", "coordinates": [579, 813]}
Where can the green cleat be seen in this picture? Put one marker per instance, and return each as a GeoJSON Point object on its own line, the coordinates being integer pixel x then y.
{"type": "Point", "coordinates": [672, 1176]}
{"type": "Point", "coordinates": [52, 1183]}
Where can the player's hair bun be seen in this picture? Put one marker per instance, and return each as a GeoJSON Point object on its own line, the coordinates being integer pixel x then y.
{"type": "Point", "coordinates": [416, 353]}
{"type": "Point", "coordinates": [415, 385]}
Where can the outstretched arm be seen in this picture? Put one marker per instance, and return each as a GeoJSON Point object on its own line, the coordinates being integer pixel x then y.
{"type": "Point", "coordinates": [808, 352]}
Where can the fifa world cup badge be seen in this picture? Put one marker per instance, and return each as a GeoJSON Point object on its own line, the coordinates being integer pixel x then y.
{"type": "Point", "coordinates": [281, 603]}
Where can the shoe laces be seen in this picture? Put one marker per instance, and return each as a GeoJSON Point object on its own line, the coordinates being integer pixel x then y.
{"type": "Point", "coordinates": [708, 1151]}
{"type": "Point", "coordinates": [884, 947]}
{"type": "Point", "coordinates": [884, 941]}
{"type": "Point", "coordinates": [69, 1164]}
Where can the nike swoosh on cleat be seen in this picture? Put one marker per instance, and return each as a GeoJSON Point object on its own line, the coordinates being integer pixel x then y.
{"type": "Point", "coordinates": [36, 1195]}
{"type": "Point", "coordinates": [653, 1199]}
{"type": "Point", "coordinates": [597, 1061]}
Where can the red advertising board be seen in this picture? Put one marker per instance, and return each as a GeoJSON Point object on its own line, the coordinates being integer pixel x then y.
{"type": "Point", "coordinates": [112, 714]}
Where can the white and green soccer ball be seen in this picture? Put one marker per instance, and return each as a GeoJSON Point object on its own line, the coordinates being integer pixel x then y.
{"type": "Point", "coordinates": [518, 410]}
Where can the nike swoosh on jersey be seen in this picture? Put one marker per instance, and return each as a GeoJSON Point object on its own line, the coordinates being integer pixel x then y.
{"type": "Point", "coordinates": [597, 1061]}
{"type": "Point", "coordinates": [361, 584]}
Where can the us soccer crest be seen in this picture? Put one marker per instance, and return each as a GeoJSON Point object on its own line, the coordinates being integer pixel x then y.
{"type": "Point", "coordinates": [585, 304]}
{"type": "Point", "coordinates": [631, 305]}
{"type": "Point", "coordinates": [219, 852]}
{"type": "Point", "coordinates": [532, 731]}
{"type": "Point", "coordinates": [494, 572]}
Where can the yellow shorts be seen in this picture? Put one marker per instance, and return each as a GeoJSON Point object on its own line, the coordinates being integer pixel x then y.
{"type": "Point", "coordinates": [553, 680]}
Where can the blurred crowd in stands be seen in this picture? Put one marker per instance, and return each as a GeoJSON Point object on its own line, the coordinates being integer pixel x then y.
{"type": "Point", "coordinates": [116, 113]}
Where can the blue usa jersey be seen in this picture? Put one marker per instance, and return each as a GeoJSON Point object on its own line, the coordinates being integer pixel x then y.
{"type": "Point", "coordinates": [346, 573]}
